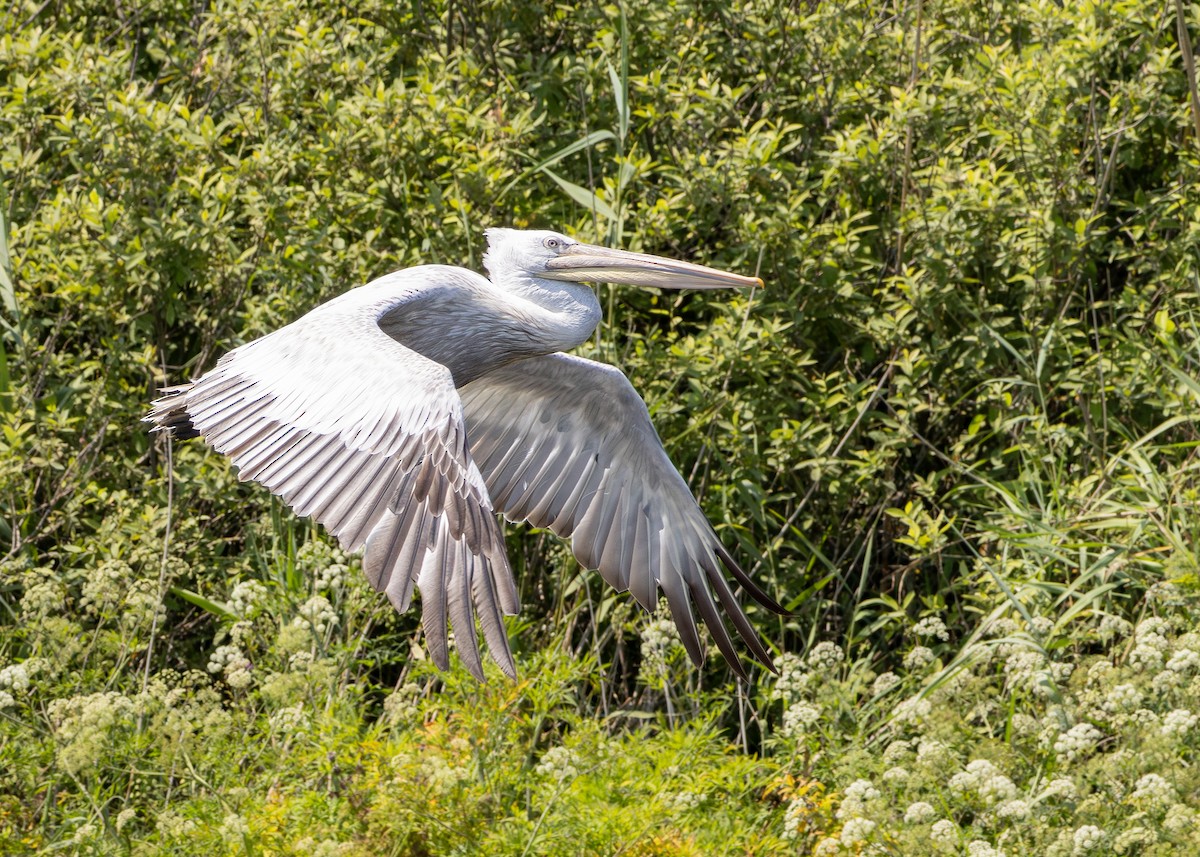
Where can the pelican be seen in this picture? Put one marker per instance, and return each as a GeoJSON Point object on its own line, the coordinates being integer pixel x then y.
{"type": "Point", "coordinates": [404, 414]}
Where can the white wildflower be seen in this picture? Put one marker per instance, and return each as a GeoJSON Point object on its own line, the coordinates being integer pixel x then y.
{"type": "Point", "coordinates": [997, 789]}
{"type": "Point", "coordinates": [291, 722]}
{"type": "Point", "coordinates": [247, 598]}
{"type": "Point", "coordinates": [931, 626]}
{"type": "Point", "coordinates": [125, 817]}
{"type": "Point", "coordinates": [798, 717]}
{"type": "Point", "coordinates": [173, 826]}
{"type": "Point", "coordinates": [944, 834]}
{"type": "Point", "coordinates": [1186, 661]}
{"type": "Point", "coordinates": [1145, 658]}
{"type": "Point", "coordinates": [44, 594]}
{"type": "Point", "coordinates": [683, 801]}
{"type": "Point", "coordinates": [896, 776]}
{"type": "Point", "coordinates": [6, 700]}
{"type": "Point", "coordinates": [826, 847]}
{"type": "Point", "coordinates": [85, 724]}
{"type": "Point", "coordinates": [1133, 840]}
{"type": "Point", "coordinates": [1041, 626]}
{"type": "Point", "coordinates": [1166, 681]}
{"type": "Point", "coordinates": [442, 777]}
{"type": "Point", "coordinates": [330, 576]}
{"type": "Point", "coordinates": [15, 677]}
{"type": "Point", "coordinates": [793, 816]}
{"type": "Point", "coordinates": [301, 662]}
{"type": "Point", "coordinates": [1153, 791]}
{"type": "Point", "coordinates": [234, 828]}
{"type": "Point", "coordinates": [1099, 673]}
{"type": "Point", "coordinates": [105, 586]}
{"type": "Point", "coordinates": [856, 797]}
{"type": "Point", "coordinates": [1180, 820]}
{"type": "Point", "coordinates": [919, 658]}
{"type": "Point", "coordinates": [897, 751]}
{"type": "Point", "coordinates": [1179, 723]}
{"type": "Point", "coordinates": [1025, 668]}
{"type": "Point", "coordinates": [233, 663]}
{"type": "Point", "coordinates": [403, 704]}
{"type": "Point", "coordinates": [982, 848]}
{"type": "Point", "coordinates": [558, 763]}
{"type": "Point", "coordinates": [1088, 838]}
{"type": "Point", "coordinates": [1024, 726]}
{"type": "Point", "coordinates": [912, 710]}
{"type": "Point", "coordinates": [1002, 627]}
{"type": "Point", "coordinates": [919, 813]}
{"type": "Point", "coordinates": [825, 656]}
{"type": "Point", "coordinates": [969, 780]}
{"type": "Point", "coordinates": [1013, 810]}
{"type": "Point", "coordinates": [934, 754]}
{"type": "Point", "coordinates": [1060, 789]}
{"type": "Point", "coordinates": [1123, 697]}
{"type": "Point", "coordinates": [1152, 626]}
{"type": "Point", "coordinates": [1166, 593]}
{"type": "Point", "coordinates": [1112, 627]}
{"type": "Point", "coordinates": [857, 830]}
{"type": "Point", "coordinates": [660, 642]}
{"type": "Point", "coordinates": [1061, 671]}
{"type": "Point", "coordinates": [884, 682]}
{"type": "Point", "coordinates": [792, 680]}
{"type": "Point", "coordinates": [1144, 717]}
{"type": "Point", "coordinates": [1077, 742]}
{"type": "Point", "coordinates": [316, 613]}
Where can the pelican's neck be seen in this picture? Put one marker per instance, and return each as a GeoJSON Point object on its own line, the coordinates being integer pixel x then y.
{"type": "Point", "coordinates": [472, 325]}
{"type": "Point", "coordinates": [562, 314]}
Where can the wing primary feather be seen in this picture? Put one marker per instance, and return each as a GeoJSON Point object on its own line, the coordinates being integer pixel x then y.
{"type": "Point", "coordinates": [642, 584]}
{"type": "Point", "coordinates": [712, 618]}
{"type": "Point", "coordinates": [491, 621]}
{"type": "Point", "coordinates": [681, 612]}
{"type": "Point", "coordinates": [419, 534]}
{"type": "Point", "coordinates": [462, 616]}
{"type": "Point", "coordinates": [433, 603]}
{"type": "Point", "coordinates": [747, 583]}
{"type": "Point", "coordinates": [744, 628]}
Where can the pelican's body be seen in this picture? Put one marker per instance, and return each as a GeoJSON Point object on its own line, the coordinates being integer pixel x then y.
{"type": "Point", "coordinates": [404, 413]}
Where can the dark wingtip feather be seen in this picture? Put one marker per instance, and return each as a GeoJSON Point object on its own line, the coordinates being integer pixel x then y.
{"type": "Point", "coordinates": [756, 592]}
{"type": "Point", "coordinates": [168, 414]}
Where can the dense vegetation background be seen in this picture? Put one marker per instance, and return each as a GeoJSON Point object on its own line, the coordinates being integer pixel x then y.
{"type": "Point", "coordinates": [958, 426]}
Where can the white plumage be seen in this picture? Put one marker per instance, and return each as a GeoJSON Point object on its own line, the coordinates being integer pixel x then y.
{"type": "Point", "coordinates": [402, 415]}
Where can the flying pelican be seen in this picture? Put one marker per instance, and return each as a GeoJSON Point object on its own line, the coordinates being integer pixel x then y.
{"type": "Point", "coordinates": [403, 414]}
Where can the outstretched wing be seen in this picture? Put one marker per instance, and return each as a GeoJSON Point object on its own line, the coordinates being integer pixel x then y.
{"type": "Point", "coordinates": [567, 443]}
{"type": "Point", "coordinates": [350, 427]}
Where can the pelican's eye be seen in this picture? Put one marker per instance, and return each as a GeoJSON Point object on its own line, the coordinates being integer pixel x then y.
{"type": "Point", "coordinates": [553, 243]}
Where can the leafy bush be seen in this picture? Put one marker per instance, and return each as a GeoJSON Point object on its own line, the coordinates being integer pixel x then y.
{"type": "Point", "coordinates": [955, 431]}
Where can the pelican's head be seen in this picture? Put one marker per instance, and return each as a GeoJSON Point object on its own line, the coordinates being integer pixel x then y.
{"type": "Point", "coordinates": [553, 256]}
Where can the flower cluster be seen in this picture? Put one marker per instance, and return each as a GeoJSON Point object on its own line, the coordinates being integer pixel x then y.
{"type": "Point", "coordinates": [825, 656]}
{"type": "Point", "coordinates": [931, 627]}
{"type": "Point", "coordinates": [1078, 741]}
{"type": "Point", "coordinates": [558, 763]}
{"type": "Point", "coordinates": [233, 664]}
{"type": "Point", "coordinates": [316, 614]}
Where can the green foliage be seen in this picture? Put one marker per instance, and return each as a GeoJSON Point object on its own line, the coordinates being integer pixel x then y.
{"type": "Point", "coordinates": [957, 426]}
